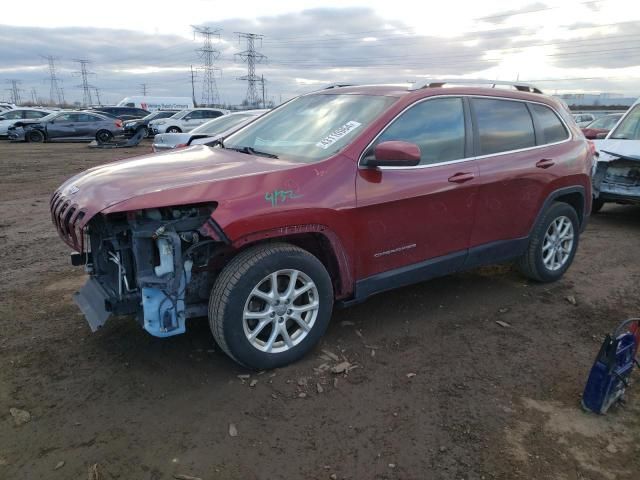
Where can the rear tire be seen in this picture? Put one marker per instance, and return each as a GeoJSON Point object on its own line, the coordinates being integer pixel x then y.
{"type": "Point", "coordinates": [596, 205]}
{"type": "Point", "coordinates": [552, 244]}
{"type": "Point", "coordinates": [35, 136]}
{"type": "Point", "coordinates": [263, 324]}
{"type": "Point", "coordinates": [104, 136]}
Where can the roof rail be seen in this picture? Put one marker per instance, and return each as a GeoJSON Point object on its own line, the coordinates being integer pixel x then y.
{"type": "Point", "coordinates": [429, 83]}
{"type": "Point", "coordinates": [338, 85]}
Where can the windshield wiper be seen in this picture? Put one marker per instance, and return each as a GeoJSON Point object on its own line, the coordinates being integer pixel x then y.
{"type": "Point", "coordinates": [252, 151]}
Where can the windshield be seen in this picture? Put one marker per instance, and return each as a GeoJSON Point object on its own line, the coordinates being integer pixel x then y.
{"type": "Point", "coordinates": [221, 124]}
{"type": "Point", "coordinates": [606, 122]}
{"type": "Point", "coordinates": [629, 128]}
{"type": "Point", "coordinates": [312, 127]}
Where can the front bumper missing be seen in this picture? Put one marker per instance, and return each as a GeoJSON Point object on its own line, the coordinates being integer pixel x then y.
{"type": "Point", "coordinates": [618, 179]}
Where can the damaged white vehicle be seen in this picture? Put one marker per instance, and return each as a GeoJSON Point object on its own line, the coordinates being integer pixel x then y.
{"type": "Point", "coordinates": [617, 173]}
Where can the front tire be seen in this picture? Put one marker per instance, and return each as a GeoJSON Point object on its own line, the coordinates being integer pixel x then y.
{"type": "Point", "coordinates": [270, 305]}
{"type": "Point", "coordinates": [35, 136]}
{"type": "Point", "coordinates": [552, 244]}
{"type": "Point", "coordinates": [173, 130]}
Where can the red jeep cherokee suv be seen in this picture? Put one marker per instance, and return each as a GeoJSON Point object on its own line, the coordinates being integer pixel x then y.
{"type": "Point", "coordinates": [332, 197]}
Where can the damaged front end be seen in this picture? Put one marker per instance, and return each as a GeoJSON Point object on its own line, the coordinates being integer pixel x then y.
{"type": "Point", "coordinates": [155, 264]}
{"type": "Point", "coordinates": [617, 179]}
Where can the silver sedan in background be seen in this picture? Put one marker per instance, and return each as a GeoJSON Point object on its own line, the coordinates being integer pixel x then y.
{"type": "Point", "coordinates": [212, 130]}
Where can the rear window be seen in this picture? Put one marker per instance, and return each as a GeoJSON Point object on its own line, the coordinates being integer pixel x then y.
{"type": "Point", "coordinates": [550, 126]}
{"type": "Point", "coordinates": [503, 125]}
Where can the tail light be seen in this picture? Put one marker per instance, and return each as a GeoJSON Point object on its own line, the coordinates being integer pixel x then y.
{"type": "Point", "coordinates": [118, 123]}
{"type": "Point", "coordinates": [592, 148]}
{"type": "Point", "coordinates": [181, 145]}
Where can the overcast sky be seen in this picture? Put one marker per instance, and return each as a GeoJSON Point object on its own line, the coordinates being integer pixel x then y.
{"type": "Point", "coordinates": [564, 46]}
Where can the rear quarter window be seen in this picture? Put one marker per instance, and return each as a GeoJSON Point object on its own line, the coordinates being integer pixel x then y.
{"type": "Point", "coordinates": [550, 127]}
{"type": "Point", "coordinates": [503, 125]}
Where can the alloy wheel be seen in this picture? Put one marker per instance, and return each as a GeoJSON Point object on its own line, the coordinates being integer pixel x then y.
{"type": "Point", "coordinates": [280, 311]}
{"type": "Point", "coordinates": [558, 243]}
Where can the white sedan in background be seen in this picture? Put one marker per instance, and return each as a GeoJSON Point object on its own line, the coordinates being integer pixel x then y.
{"type": "Point", "coordinates": [208, 132]}
{"type": "Point", "coordinates": [185, 120]}
{"type": "Point", "coordinates": [9, 117]}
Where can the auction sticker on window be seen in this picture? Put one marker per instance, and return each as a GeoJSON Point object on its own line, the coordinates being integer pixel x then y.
{"type": "Point", "coordinates": [337, 134]}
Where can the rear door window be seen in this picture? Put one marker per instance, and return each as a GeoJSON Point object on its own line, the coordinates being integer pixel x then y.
{"type": "Point", "coordinates": [436, 126]}
{"type": "Point", "coordinates": [550, 127]}
{"type": "Point", "coordinates": [503, 125]}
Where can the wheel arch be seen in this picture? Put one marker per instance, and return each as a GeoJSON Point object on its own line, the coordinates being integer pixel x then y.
{"type": "Point", "coordinates": [574, 196]}
{"type": "Point", "coordinates": [318, 240]}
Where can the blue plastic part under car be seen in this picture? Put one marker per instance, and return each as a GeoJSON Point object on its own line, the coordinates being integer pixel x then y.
{"type": "Point", "coordinates": [609, 376]}
{"type": "Point", "coordinates": [165, 316]}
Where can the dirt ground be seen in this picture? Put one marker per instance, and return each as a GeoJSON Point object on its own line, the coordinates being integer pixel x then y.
{"type": "Point", "coordinates": [441, 390]}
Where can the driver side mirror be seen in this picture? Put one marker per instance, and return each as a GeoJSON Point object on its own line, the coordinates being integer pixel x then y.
{"type": "Point", "coordinates": [395, 153]}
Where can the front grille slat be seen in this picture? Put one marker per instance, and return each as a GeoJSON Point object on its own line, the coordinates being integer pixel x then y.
{"type": "Point", "coordinates": [66, 216]}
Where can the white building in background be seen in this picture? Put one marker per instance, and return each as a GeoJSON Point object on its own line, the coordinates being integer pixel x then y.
{"type": "Point", "coordinates": [596, 99]}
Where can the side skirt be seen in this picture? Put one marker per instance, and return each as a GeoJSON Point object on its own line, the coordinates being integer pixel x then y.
{"type": "Point", "coordinates": [487, 254]}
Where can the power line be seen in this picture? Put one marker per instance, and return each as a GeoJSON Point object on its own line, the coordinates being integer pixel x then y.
{"type": "Point", "coordinates": [251, 57]}
{"type": "Point", "coordinates": [86, 87]}
{"type": "Point", "coordinates": [208, 54]}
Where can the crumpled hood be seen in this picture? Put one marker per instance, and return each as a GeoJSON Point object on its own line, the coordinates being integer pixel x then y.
{"type": "Point", "coordinates": [620, 146]}
{"type": "Point", "coordinates": [185, 176]}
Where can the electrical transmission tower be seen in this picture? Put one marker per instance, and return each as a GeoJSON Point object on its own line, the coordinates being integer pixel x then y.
{"type": "Point", "coordinates": [143, 89]}
{"type": "Point", "coordinates": [55, 91]}
{"type": "Point", "coordinates": [251, 57]}
{"type": "Point", "coordinates": [14, 91]}
{"type": "Point", "coordinates": [98, 95]}
{"type": "Point", "coordinates": [34, 95]}
{"type": "Point", "coordinates": [208, 54]}
{"type": "Point", "coordinates": [86, 86]}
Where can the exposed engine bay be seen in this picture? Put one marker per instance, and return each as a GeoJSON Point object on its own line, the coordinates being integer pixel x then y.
{"type": "Point", "coordinates": [618, 179]}
{"type": "Point", "coordinates": [157, 264]}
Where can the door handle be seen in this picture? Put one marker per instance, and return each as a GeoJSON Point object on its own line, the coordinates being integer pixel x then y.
{"type": "Point", "coordinates": [461, 177]}
{"type": "Point", "coordinates": [545, 163]}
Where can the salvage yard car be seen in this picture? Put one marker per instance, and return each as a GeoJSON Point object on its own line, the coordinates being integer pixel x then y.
{"type": "Point", "coordinates": [207, 132]}
{"type": "Point", "coordinates": [131, 127]}
{"type": "Point", "coordinates": [617, 173]}
{"type": "Point", "coordinates": [600, 127]}
{"type": "Point", "coordinates": [68, 126]}
{"type": "Point", "coordinates": [332, 197]}
{"type": "Point", "coordinates": [185, 120]}
{"type": "Point", "coordinates": [10, 117]}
